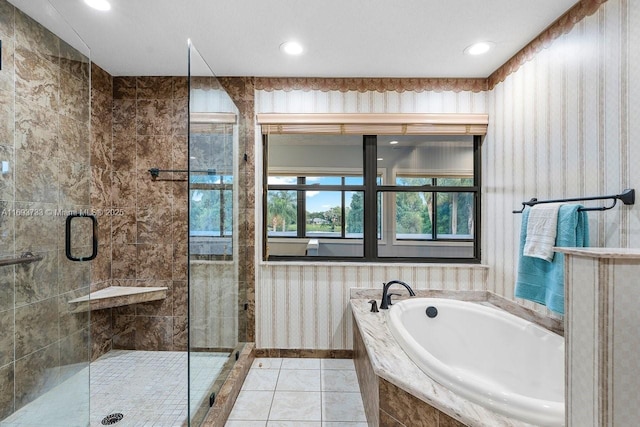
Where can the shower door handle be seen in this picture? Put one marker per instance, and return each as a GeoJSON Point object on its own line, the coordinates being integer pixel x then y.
{"type": "Point", "coordinates": [94, 237]}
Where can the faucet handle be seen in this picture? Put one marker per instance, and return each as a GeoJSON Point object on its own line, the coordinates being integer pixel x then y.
{"type": "Point", "coordinates": [389, 297]}
{"type": "Point", "coordinates": [374, 306]}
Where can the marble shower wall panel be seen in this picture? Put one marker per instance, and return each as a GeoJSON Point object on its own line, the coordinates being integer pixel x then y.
{"type": "Point", "coordinates": [149, 234]}
{"type": "Point", "coordinates": [101, 170]}
{"type": "Point", "coordinates": [45, 154]}
{"type": "Point", "coordinates": [565, 125]}
{"type": "Point", "coordinates": [7, 223]}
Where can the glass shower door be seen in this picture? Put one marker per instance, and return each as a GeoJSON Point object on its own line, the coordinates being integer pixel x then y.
{"type": "Point", "coordinates": [213, 255]}
{"type": "Point", "coordinates": [45, 175]}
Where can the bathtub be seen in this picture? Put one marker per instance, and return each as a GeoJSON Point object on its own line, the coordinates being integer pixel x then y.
{"type": "Point", "coordinates": [488, 356]}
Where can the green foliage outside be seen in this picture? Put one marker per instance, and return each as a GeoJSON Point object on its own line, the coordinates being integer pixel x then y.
{"type": "Point", "coordinates": [355, 215]}
{"type": "Point", "coordinates": [414, 211]}
{"type": "Point", "coordinates": [282, 210]}
{"type": "Point", "coordinates": [207, 214]}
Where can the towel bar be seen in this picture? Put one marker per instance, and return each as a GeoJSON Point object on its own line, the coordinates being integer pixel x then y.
{"type": "Point", "coordinates": [628, 197]}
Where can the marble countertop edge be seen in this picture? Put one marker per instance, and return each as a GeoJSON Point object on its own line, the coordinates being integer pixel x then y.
{"type": "Point", "coordinates": [117, 291]}
{"type": "Point", "coordinates": [554, 324]}
{"type": "Point", "coordinates": [116, 296]}
{"type": "Point", "coordinates": [619, 253]}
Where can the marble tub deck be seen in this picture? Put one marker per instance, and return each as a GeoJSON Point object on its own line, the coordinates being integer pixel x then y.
{"type": "Point", "coordinates": [391, 363]}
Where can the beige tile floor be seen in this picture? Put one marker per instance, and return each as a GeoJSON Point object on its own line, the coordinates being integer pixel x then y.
{"type": "Point", "coordinates": [284, 392]}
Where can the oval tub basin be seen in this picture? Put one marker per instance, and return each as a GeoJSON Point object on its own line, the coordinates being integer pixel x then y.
{"type": "Point", "coordinates": [490, 357]}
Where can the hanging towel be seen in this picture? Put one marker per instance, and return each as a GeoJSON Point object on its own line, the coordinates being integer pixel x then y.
{"type": "Point", "coordinates": [541, 231]}
{"type": "Point", "coordinates": [542, 281]}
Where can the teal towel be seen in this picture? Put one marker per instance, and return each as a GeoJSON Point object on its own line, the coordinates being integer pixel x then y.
{"type": "Point", "coordinates": [542, 281]}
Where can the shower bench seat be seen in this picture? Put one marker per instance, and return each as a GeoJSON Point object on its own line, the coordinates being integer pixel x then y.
{"type": "Point", "coordinates": [116, 296]}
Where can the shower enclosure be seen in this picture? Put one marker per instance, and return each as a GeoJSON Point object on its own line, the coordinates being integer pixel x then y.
{"type": "Point", "coordinates": [82, 211]}
{"type": "Point", "coordinates": [46, 214]}
{"type": "Point", "coordinates": [214, 299]}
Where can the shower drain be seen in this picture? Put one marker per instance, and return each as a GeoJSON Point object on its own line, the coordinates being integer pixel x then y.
{"type": "Point", "coordinates": [112, 419]}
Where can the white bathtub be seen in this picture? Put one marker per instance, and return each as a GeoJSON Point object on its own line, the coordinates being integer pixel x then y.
{"type": "Point", "coordinates": [486, 355]}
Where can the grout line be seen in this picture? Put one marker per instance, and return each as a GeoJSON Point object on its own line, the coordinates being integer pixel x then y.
{"type": "Point", "coordinates": [273, 397]}
{"type": "Point", "coordinates": [321, 392]}
{"type": "Point", "coordinates": [321, 370]}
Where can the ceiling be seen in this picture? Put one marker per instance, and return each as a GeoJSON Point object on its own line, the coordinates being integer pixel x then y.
{"type": "Point", "coordinates": [342, 38]}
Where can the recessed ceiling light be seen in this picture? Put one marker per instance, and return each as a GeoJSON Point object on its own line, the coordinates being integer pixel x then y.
{"type": "Point", "coordinates": [291, 48]}
{"type": "Point", "coordinates": [380, 159]}
{"type": "Point", "coordinates": [98, 4]}
{"type": "Point", "coordinates": [393, 142]}
{"type": "Point", "coordinates": [478, 48]}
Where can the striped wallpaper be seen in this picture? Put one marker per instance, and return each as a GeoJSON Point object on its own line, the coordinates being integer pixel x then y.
{"type": "Point", "coordinates": [602, 341]}
{"type": "Point", "coordinates": [562, 125]}
{"type": "Point", "coordinates": [316, 101]}
{"type": "Point", "coordinates": [306, 305]}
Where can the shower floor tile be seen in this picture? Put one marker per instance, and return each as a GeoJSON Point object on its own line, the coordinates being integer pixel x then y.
{"type": "Point", "coordinates": [148, 387]}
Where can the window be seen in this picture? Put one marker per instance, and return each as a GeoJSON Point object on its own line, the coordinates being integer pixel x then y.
{"type": "Point", "coordinates": [315, 192]}
{"type": "Point", "coordinates": [211, 205]}
{"type": "Point", "coordinates": [357, 197]}
{"type": "Point", "coordinates": [211, 183]}
{"type": "Point", "coordinates": [415, 211]}
{"type": "Point", "coordinates": [327, 214]}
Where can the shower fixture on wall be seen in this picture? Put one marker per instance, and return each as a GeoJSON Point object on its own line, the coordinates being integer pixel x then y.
{"type": "Point", "coordinates": [155, 172]}
{"type": "Point", "coordinates": [25, 258]}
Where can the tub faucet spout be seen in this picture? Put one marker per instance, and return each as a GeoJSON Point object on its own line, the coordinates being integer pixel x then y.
{"type": "Point", "coordinates": [384, 304]}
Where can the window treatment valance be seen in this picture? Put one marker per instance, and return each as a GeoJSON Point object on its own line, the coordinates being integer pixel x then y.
{"type": "Point", "coordinates": [375, 124]}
